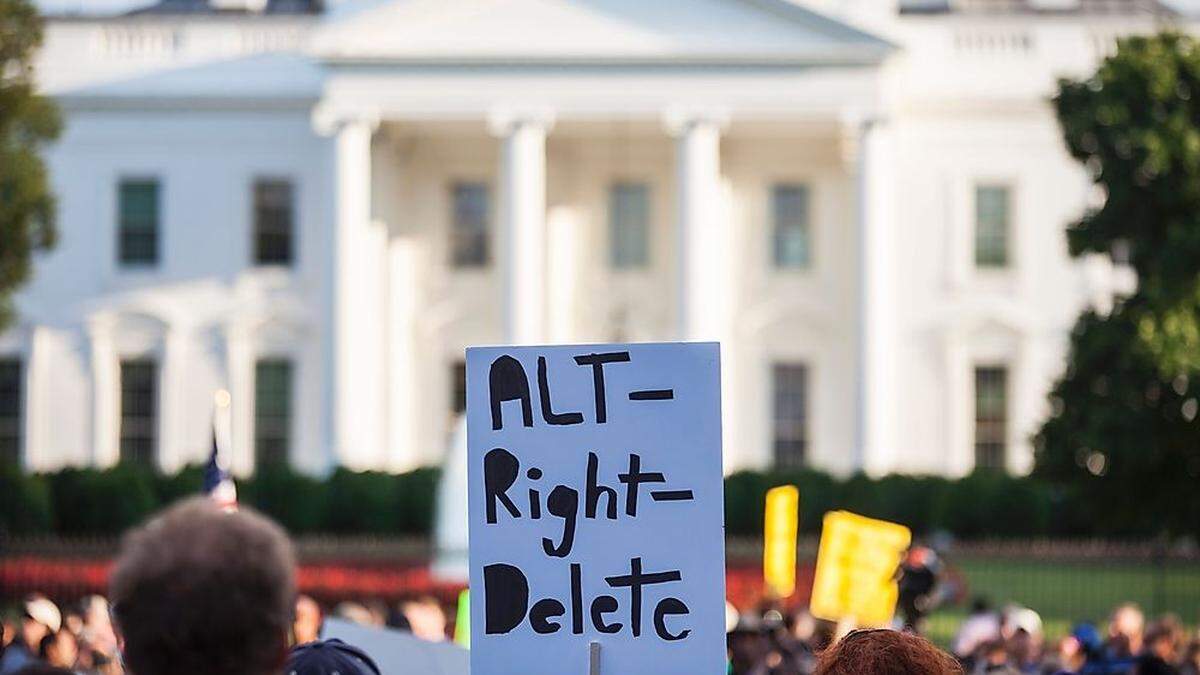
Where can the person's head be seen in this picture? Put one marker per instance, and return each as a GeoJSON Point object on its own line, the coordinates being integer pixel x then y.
{"type": "Point", "coordinates": [1125, 627]}
{"type": "Point", "coordinates": [425, 618]}
{"type": "Point", "coordinates": [41, 617]}
{"type": "Point", "coordinates": [8, 631]}
{"type": "Point", "coordinates": [354, 612]}
{"type": "Point", "coordinates": [97, 626]}
{"type": "Point", "coordinates": [1162, 639]}
{"type": "Point", "coordinates": [329, 657]}
{"type": "Point", "coordinates": [994, 652]}
{"type": "Point", "coordinates": [199, 590]}
{"type": "Point", "coordinates": [885, 652]}
{"type": "Point", "coordinates": [59, 649]}
{"type": "Point", "coordinates": [307, 624]}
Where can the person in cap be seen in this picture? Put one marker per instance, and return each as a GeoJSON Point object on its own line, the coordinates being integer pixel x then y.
{"type": "Point", "coordinates": [329, 657]}
{"type": "Point", "coordinates": [41, 617]}
{"type": "Point", "coordinates": [199, 590]}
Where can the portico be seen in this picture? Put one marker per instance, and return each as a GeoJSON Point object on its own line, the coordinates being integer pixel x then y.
{"type": "Point", "coordinates": [547, 131]}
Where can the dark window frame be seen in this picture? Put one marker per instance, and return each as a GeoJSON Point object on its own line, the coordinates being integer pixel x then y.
{"type": "Point", "coordinates": [139, 235]}
{"type": "Point", "coordinates": [992, 247]}
{"type": "Point", "coordinates": [470, 236]}
{"type": "Point", "coordinates": [273, 432]}
{"type": "Point", "coordinates": [139, 414]}
{"type": "Point", "coordinates": [791, 416]}
{"type": "Point", "coordinates": [622, 232]}
{"type": "Point", "coordinates": [273, 242]}
{"type": "Point", "coordinates": [12, 409]}
{"type": "Point", "coordinates": [991, 418]}
{"type": "Point", "coordinates": [783, 233]}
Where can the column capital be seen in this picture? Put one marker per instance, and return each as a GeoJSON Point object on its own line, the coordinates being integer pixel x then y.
{"type": "Point", "coordinates": [502, 122]}
{"type": "Point", "coordinates": [328, 119]}
{"type": "Point", "coordinates": [856, 125]}
{"type": "Point", "coordinates": [858, 120]}
{"type": "Point", "coordinates": [100, 325]}
{"type": "Point", "coordinates": [680, 120]}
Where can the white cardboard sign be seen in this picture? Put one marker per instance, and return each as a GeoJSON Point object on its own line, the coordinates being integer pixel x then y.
{"type": "Point", "coordinates": [596, 509]}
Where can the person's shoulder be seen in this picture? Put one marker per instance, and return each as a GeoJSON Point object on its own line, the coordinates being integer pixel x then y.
{"type": "Point", "coordinates": [14, 658]}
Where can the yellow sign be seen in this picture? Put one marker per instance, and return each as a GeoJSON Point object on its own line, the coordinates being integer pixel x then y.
{"type": "Point", "coordinates": [856, 569]}
{"type": "Point", "coordinates": [779, 540]}
{"type": "Point", "coordinates": [462, 619]}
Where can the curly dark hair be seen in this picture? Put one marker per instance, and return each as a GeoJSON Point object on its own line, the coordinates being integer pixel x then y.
{"type": "Point", "coordinates": [885, 652]}
{"type": "Point", "coordinates": [201, 591]}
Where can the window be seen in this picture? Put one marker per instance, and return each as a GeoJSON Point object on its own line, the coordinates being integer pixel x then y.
{"type": "Point", "coordinates": [139, 411]}
{"type": "Point", "coordinates": [10, 411]}
{"type": "Point", "coordinates": [991, 416]}
{"type": "Point", "coordinates": [272, 412]}
{"type": "Point", "coordinates": [138, 215]}
{"type": "Point", "coordinates": [469, 225]}
{"type": "Point", "coordinates": [273, 222]}
{"type": "Point", "coordinates": [629, 225]}
{"type": "Point", "coordinates": [991, 225]}
{"type": "Point", "coordinates": [458, 397]}
{"type": "Point", "coordinates": [458, 390]}
{"type": "Point", "coordinates": [792, 245]}
{"type": "Point", "coordinates": [790, 384]}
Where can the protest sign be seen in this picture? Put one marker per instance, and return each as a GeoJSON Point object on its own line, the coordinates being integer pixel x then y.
{"type": "Point", "coordinates": [856, 569]}
{"type": "Point", "coordinates": [782, 518]}
{"type": "Point", "coordinates": [399, 651]}
{"type": "Point", "coordinates": [595, 509]}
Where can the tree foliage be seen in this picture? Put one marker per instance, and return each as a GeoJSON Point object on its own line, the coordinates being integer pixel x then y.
{"type": "Point", "coordinates": [27, 122]}
{"type": "Point", "coordinates": [1124, 428]}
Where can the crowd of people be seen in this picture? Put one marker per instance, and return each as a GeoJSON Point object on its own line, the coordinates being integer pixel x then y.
{"type": "Point", "coordinates": [200, 590]}
{"type": "Point", "coordinates": [1005, 641]}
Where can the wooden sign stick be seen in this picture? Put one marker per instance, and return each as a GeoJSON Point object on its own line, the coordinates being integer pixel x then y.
{"type": "Point", "coordinates": [593, 658]}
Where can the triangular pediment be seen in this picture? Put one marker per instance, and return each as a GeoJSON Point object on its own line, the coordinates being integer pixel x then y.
{"type": "Point", "coordinates": [701, 31]}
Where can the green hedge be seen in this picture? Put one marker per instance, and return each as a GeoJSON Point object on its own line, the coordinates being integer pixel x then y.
{"type": "Point", "coordinates": [86, 502]}
{"type": "Point", "coordinates": [91, 502]}
{"type": "Point", "coordinates": [983, 504]}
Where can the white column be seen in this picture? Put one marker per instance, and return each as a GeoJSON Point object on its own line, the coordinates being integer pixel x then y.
{"type": "Point", "coordinates": [706, 281]}
{"type": "Point", "coordinates": [39, 454]}
{"type": "Point", "coordinates": [564, 265]}
{"type": "Point", "coordinates": [173, 437]}
{"type": "Point", "coordinates": [703, 284]}
{"type": "Point", "coordinates": [358, 309]}
{"type": "Point", "coordinates": [404, 274]}
{"type": "Point", "coordinates": [237, 449]}
{"type": "Point", "coordinates": [876, 386]}
{"type": "Point", "coordinates": [523, 223]}
{"type": "Point", "coordinates": [105, 391]}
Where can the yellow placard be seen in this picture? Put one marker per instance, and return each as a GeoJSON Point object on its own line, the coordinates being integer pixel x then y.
{"type": "Point", "coordinates": [779, 540]}
{"type": "Point", "coordinates": [856, 569]}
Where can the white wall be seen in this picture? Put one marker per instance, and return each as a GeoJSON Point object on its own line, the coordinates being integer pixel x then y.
{"type": "Point", "coordinates": [964, 101]}
{"type": "Point", "coordinates": [203, 296]}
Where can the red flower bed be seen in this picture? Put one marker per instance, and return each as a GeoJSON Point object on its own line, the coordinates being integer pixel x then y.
{"type": "Point", "coordinates": [67, 578]}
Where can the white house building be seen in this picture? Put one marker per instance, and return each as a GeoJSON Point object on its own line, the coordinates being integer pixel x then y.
{"type": "Point", "coordinates": [318, 209]}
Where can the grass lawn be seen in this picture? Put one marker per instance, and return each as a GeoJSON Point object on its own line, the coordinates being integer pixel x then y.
{"type": "Point", "coordinates": [1065, 592]}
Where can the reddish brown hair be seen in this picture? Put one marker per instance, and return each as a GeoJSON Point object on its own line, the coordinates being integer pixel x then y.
{"type": "Point", "coordinates": [885, 652]}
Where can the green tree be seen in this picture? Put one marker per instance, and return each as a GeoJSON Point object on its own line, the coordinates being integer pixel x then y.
{"type": "Point", "coordinates": [27, 122]}
{"type": "Point", "coordinates": [1124, 431]}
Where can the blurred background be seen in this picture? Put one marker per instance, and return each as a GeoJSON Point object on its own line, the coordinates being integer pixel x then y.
{"type": "Point", "coordinates": [950, 249]}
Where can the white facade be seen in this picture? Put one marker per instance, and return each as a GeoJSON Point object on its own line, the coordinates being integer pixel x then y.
{"type": "Point", "coordinates": [374, 111]}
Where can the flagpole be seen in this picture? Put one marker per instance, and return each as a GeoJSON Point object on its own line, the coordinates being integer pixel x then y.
{"type": "Point", "coordinates": [221, 401]}
{"type": "Point", "coordinates": [218, 483]}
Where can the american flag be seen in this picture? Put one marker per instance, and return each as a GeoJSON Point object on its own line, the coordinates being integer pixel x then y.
{"type": "Point", "coordinates": [218, 484]}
